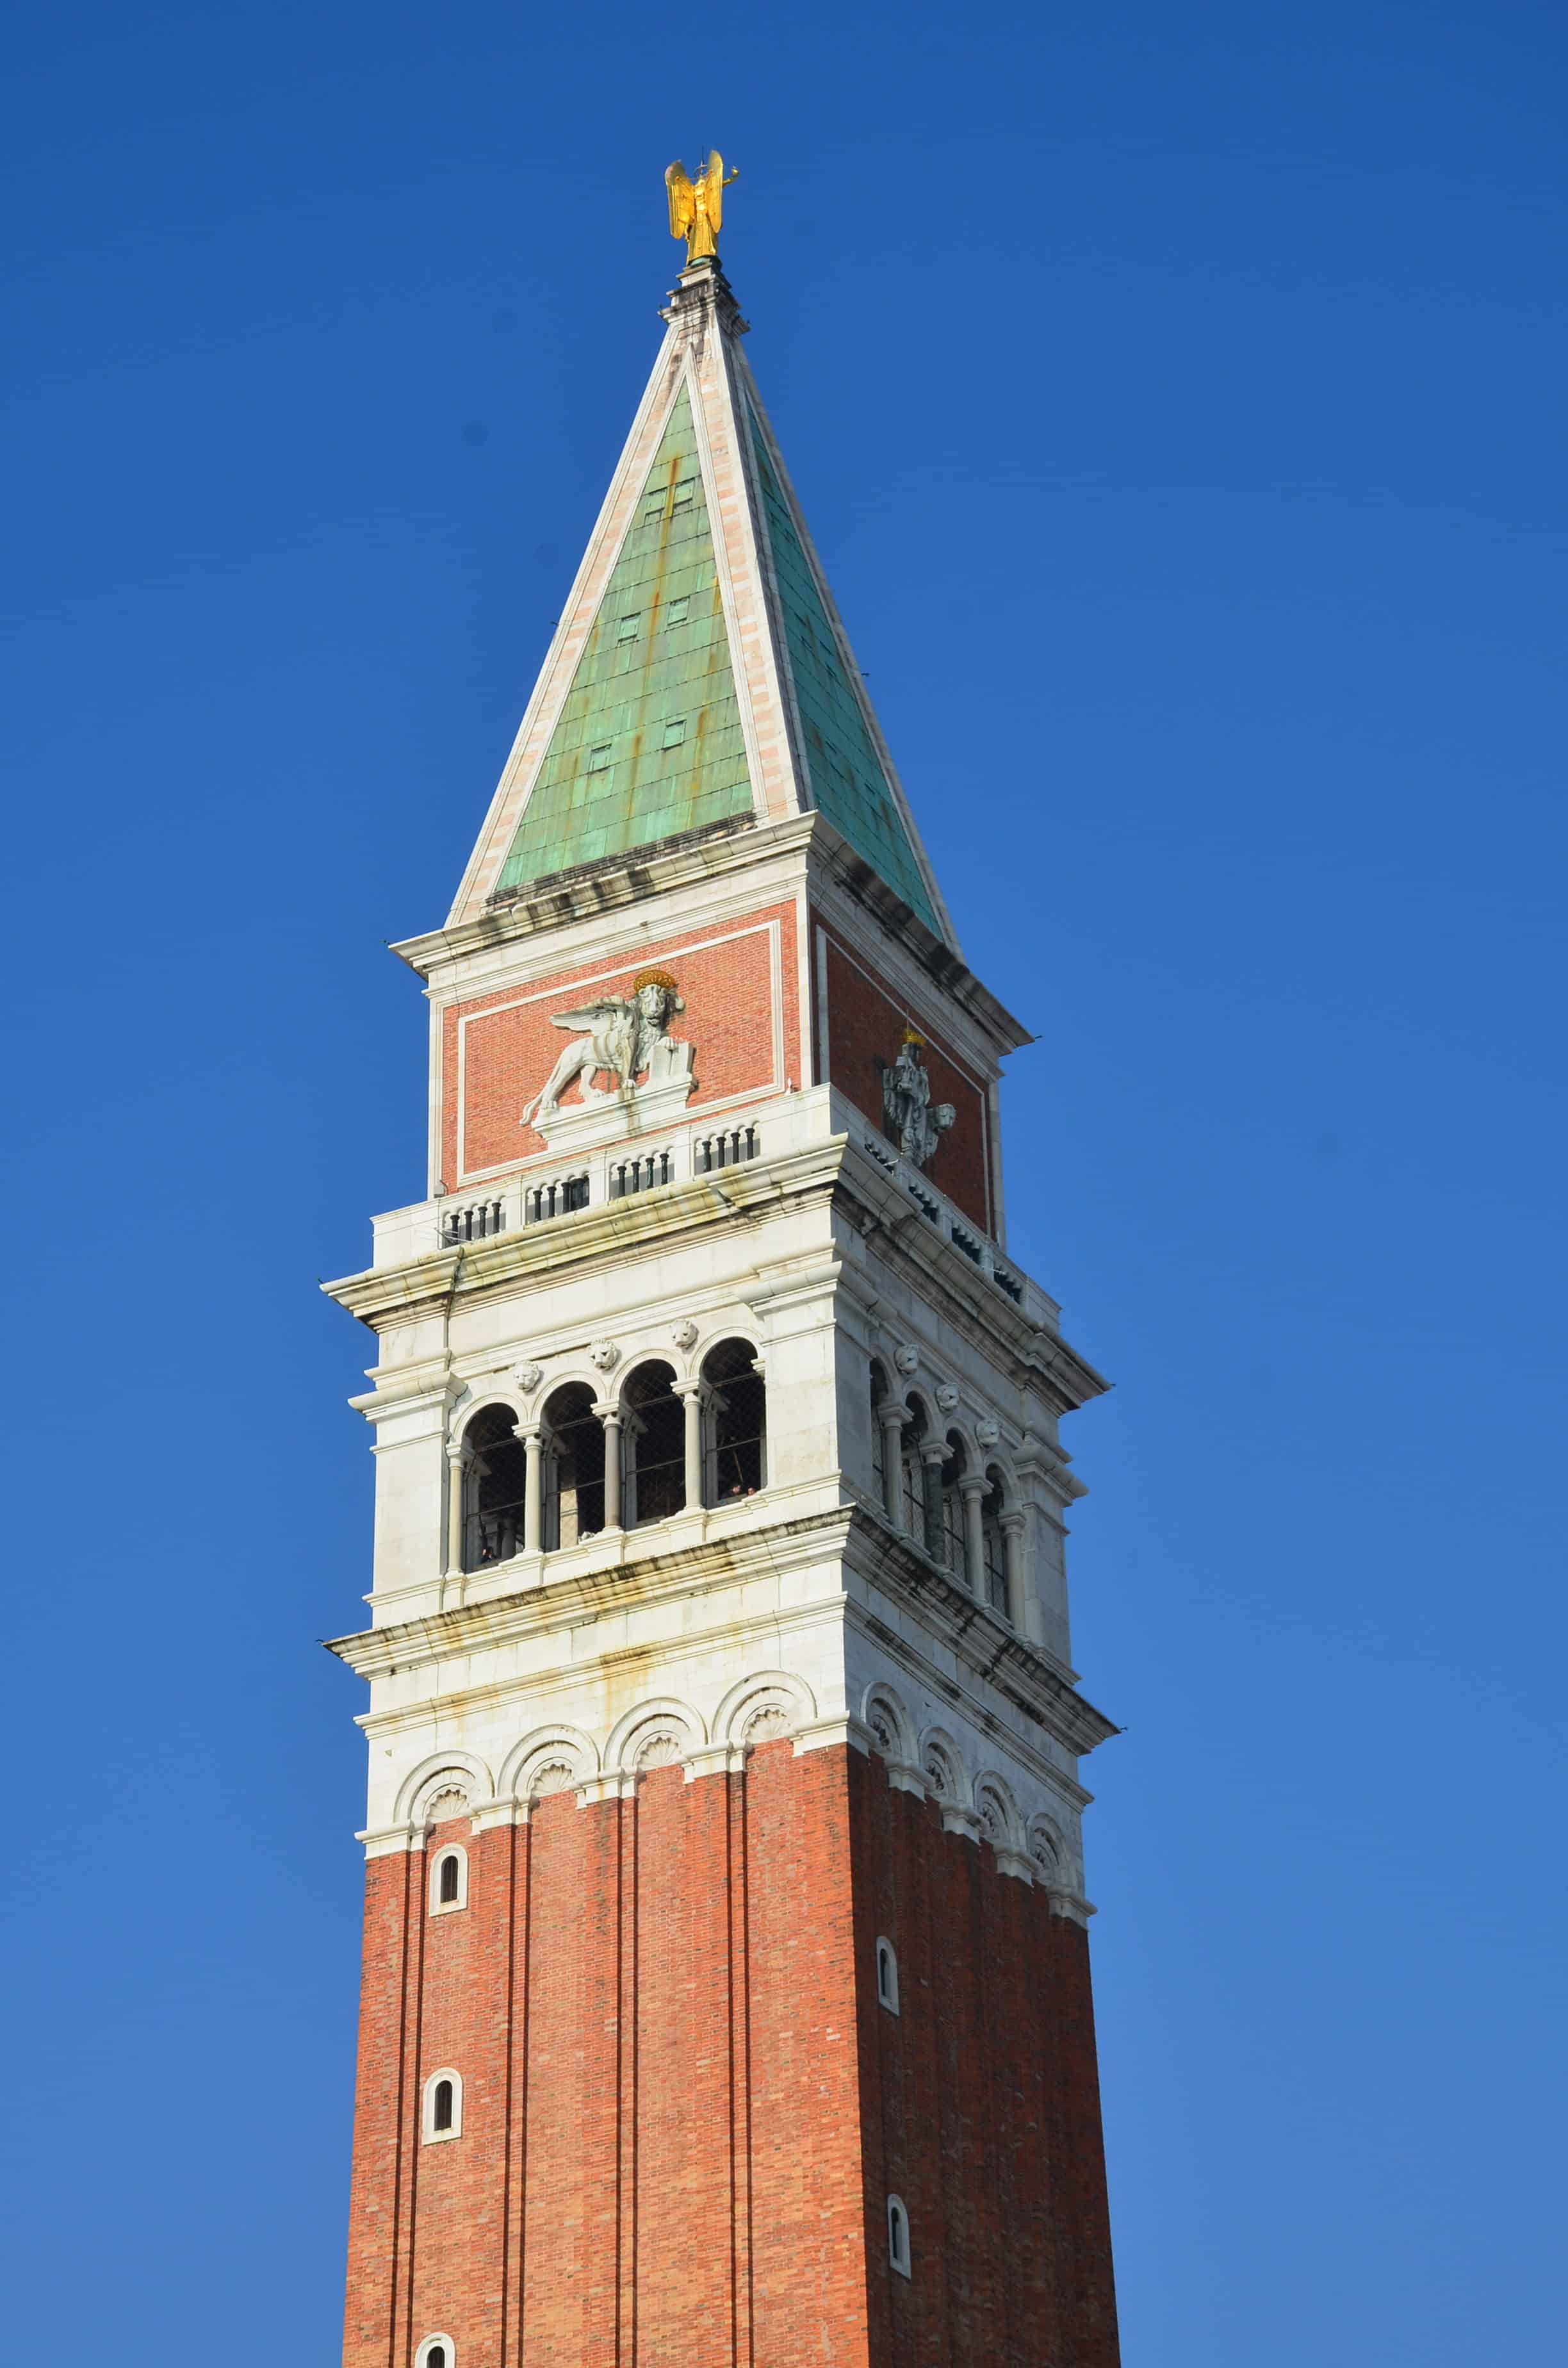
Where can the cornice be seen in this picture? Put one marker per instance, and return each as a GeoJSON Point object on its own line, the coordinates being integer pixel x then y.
{"type": "Point", "coordinates": [989, 1646]}
{"type": "Point", "coordinates": [981, 1643]}
{"type": "Point", "coordinates": [591, 890]}
{"type": "Point", "coordinates": [587, 1595]}
{"type": "Point", "coordinates": [643, 1225]}
{"type": "Point", "coordinates": [896, 1232]}
{"type": "Point", "coordinates": [626, 1229]}
{"type": "Point", "coordinates": [835, 859]}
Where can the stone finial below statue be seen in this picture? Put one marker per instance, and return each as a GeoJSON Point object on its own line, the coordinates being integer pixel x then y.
{"type": "Point", "coordinates": [916, 1123]}
{"type": "Point", "coordinates": [623, 1037]}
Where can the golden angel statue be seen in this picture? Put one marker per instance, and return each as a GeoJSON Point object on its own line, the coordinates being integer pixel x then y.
{"type": "Point", "coordinates": [697, 208]}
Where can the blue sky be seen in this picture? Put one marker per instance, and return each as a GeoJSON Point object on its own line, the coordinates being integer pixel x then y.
{"type": "Point", "coordinates": [1175, 396]}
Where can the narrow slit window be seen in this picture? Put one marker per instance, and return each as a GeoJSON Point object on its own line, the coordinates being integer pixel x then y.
{"type": "Point", "coordinates": [451, 1875]}
{"type": "Point", "coordinates": [887, 1976]}
{"type": "Point", "coordinates": [441, 2106]}
{"type": "Point", "coordinates": [598, 759]}
{"type": "Point", "coordinates": [898, 2235]}
{"type": "Point", "coordinates": [627, 628]}
{"type": "Point", "coordinates": [675, 732]}
{"type": "Point", "coordinates": [684, 495]}
{"type": "Point", "coordinates": [678, 610]}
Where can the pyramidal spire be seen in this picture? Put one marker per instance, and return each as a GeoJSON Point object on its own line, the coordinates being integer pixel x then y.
{"type": "Point", "coordinates": [699, 680]}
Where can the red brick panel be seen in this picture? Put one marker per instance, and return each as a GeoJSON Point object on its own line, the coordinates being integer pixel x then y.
{"type": "Point", "coordinates": [570, 2281]}
{"type": "Point", "coordinates": [459, 2189]}
{"type": "Point", "coordinates": [865, 1028]}
{"type": "Point", "coordinates": [509, 1046]}
{"type": "Point", "coordinates": [807, 2204]}
{"type": "Point", "coordinates": [685, 2285]}
{"type": "Point", "coordinates": [375, 2195]}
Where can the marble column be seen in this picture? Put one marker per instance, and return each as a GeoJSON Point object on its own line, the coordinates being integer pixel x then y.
{"type": "Point", "coordinates": [533, 1489]}
{"type": "Point", "coordinates": [609, 1416]}
{"type": "Point", "coordinates": [457, 1468]}
{"type": "Point", "coordinates": [892, 1419]}
{"type": "Point", "coordinates": [971, 1488]}
{"type": "Point", "coordinates": [933, 1455]}
{"type": "Point", "coordinates": [690, 1395]}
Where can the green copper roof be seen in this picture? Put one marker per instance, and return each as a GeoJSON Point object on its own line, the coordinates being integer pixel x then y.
{"type": "Point", "coordinates": [649, 741]}
{"type": "Point", "coordinates": [847, 781]}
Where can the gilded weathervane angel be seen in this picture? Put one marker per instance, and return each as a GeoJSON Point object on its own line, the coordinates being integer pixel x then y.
{"type": "Point", "coordinates": [697, 208]}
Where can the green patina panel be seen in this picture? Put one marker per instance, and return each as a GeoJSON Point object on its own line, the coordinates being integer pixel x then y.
{"type": "Point", "coordinates": [847, 781]}
{"type": "Point", "coordinates": [649, 741]}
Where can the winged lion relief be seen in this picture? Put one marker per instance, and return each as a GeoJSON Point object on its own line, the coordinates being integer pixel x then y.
{"type": "Point", "coordinates": [623, 1037]}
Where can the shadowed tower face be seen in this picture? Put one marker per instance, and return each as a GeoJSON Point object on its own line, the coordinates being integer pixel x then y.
{"type": "Point", "coordinates": [726, 1993]}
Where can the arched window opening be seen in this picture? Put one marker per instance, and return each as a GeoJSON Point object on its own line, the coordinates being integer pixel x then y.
{"type": "Point", "coordinates": [898, 2235]}
{"type": "Point", "coordinates": [737, 1422]}
{"type": "Point", "coordinates": [443, 2106]}
{"type": "Point", "coordinates": [887, 1976]}
{"type": "Point", "coordinates": [993, 1546]}
{"type": "Point", "coordinates": [436, 2351]}
{"type": "Point", "coordinates": [654, 1425]}
{"type": "Point", "coordinates": [448, 1878]}
{"type": "Point", "coordinates": [953, 1544]}
{"type": "Point", "coordinates": [494, 1485]}
{"type": "Point", "coordinates": [574, 1443]}
{"type": "Point", "coordinates": [435, 2357]}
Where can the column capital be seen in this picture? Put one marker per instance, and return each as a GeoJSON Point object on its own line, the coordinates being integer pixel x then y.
{"type": "Point", "coordinates": [972, 1484]}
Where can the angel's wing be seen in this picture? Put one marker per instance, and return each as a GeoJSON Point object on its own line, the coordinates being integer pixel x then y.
{"type": "Point", "coordinates": [586, 1021]}
{"type": "Point", "coordinates": [683, 200]}
{"type": "Point", "coordinates": [714, 192]}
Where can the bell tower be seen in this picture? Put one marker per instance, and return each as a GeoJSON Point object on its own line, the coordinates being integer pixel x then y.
{"type": "Point", "coordinates": [726, 1993]}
